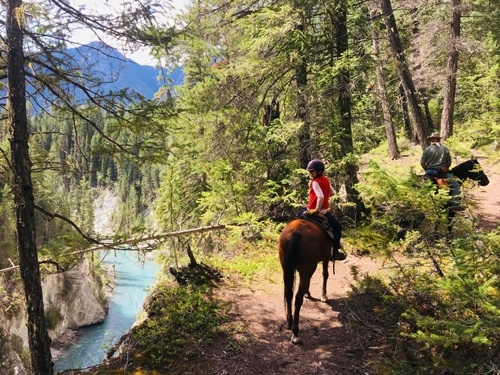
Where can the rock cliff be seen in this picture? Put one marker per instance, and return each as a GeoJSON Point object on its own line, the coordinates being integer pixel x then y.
{"type": "Point", "coordinates": [72, 299]}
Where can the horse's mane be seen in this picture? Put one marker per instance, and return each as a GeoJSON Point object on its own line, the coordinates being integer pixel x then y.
{"type": "Point", "coordinates": [462, 169]}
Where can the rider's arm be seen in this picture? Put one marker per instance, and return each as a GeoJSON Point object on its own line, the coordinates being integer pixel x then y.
{"type": "Point", "coordinates": [423, 159]}
{"type": "Point", "coordinates": [448, 158]}
{"type": "Point", "coordinates": [319, 194]}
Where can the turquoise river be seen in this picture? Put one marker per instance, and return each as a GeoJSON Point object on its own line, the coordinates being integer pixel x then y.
{"type": "Point", "coordinates": [132, 283]}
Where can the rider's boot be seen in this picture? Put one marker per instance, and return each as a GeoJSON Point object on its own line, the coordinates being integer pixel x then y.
{"type": "Point", "coordinates": [337, 254]}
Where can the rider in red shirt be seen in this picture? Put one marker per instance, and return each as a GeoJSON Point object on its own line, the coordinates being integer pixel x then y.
{"type": "Point", "coordinates": [320, 191]}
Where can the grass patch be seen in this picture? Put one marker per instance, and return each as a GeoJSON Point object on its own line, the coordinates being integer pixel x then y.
{"type": "Point", "coordinates": [250, 263]}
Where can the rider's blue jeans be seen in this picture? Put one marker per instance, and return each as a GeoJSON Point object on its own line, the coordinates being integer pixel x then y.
{"type": "Point", "coordinates": [454, 185]}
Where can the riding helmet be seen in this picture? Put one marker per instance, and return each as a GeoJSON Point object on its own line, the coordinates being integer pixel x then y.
{"type": "Point", "coordinates": [316, 165]}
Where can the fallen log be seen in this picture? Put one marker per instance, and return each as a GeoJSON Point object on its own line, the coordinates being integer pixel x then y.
{"type": "Point", "coordinates": [113, 245]}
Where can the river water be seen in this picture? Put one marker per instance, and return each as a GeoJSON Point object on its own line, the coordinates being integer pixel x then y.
{"type": "Point", "coordinates": [132, 282]}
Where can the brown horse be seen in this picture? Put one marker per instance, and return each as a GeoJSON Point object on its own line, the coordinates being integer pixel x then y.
{"type": "Point", "coordinates": [302, 245]}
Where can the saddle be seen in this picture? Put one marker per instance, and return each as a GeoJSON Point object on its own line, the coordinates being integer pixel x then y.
{"type": "Point", "coordinates": [321, 221]}
{"type": "Point", "coordinates": [440, 179]}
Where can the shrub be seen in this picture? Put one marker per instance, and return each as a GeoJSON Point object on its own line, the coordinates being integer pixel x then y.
{"type": "Point", "coordinates": [178, 318]}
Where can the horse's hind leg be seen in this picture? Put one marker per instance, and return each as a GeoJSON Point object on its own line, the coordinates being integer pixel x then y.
{"type": "Point", "coordinates": [288, 308]}
{"type": "Point", "coordinates": [324, 297]}
{"type": "Point", "coordinates": [299, 299]}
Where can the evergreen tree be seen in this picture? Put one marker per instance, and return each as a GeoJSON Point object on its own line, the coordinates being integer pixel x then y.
{"type": "Point", "coordinates": [419, 124]}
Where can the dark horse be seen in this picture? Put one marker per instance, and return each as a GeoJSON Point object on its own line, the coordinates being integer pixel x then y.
{"type": "Point", "coordinates": [302, 245]}
{"type": "Point", "coordinates": [470, 169]}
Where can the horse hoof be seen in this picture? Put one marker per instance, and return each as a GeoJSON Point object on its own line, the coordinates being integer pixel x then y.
{"type": "Point", "coordinates": [295, 340]}
{"type": "Point", "coordinates": [324, 298]}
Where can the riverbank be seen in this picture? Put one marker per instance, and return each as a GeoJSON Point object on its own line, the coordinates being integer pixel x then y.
{"type": "Point", "coordinates": [66, 340]}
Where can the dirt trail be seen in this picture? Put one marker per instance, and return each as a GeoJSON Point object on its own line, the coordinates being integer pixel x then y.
{"type": "Point", "coordinates": [328, 346]}
{"type": "Point", "coordinates": [487, 198]}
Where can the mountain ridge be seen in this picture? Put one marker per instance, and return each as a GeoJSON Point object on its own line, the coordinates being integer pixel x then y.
{"type": "Point", "coordinates": [118, 72]}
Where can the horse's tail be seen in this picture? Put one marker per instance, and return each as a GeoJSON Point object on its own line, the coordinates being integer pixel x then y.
{"type": "Point", "coordinates": [291, 258]}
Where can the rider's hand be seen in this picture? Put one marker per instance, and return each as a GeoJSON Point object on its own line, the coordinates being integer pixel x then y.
{"type": "Point", "coordinates": [312, 211]}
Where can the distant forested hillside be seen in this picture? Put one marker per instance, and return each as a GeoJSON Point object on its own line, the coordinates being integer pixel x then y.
{"type": "Point", "coordinates": [118, 72]}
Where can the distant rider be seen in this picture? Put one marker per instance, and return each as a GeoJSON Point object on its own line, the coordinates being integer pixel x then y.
{"type": "Point", "coordinates": [436, 161]}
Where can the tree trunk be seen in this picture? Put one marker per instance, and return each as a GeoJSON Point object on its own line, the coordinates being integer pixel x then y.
{"type": "Point", "coordinates": [382, 94]}
{"type": "Point", "coordinates": [419, 125]}
{"type": "Point", "coordinates": [451, 73]}
{"type": "Point", "coordinates": [303, 116]}
{"type": "Point", "coordinates": [344, 107]}
{"type": "Point", "coordinates": [38, 337]}
{"type": "Point", "coordinates": [425, 102]}
{"type": "Point", "coordinates": [417, 66]}
{"type": "Point", "coordinates": [275, 150]}
{"type": "Point", "coordinates": [406, 113]}
{"type": "Point", "coordinates": [302, 109]}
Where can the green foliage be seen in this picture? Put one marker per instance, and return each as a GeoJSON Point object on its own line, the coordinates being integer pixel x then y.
{"type": "Point", "coordinates": [179, 319]}
{"type": "Point", "coordinates": [12, 303]}
{"type": "Point", "coordinates": [285, 193]}
{"type": "Point", "coordinates": [472, 287]}
{"type": "Point", "coordinates": [181, 185]}
{"type": "Point", "coordinates": [8, 248]}
{"type": "Point", "coordinates": [453, 320]}
{"type": "Point", "coordinates": [445, 322]}
{"type": "Point", "coordinates": [436, 323]}
{"type": "Point", "coordinates": [59, 250]}
{"type": "Point", "coordinates": [478, 96]}
{"type": "Point", "coordinates": [222, 183]}
{"type": "Point", "coordinates": [448, 322]}
{"type": "Point", "coordinates": [97, 151]}
{"type": "Point", "coordinates": [250, 257]}
{"type": "Point", "coordinates": [52, 316]}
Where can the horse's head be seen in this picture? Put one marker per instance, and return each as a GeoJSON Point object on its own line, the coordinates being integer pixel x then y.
{"type": "Point", "coordinates": [477, 173]}
{"type": "Point", "coordinates": [472, 170]}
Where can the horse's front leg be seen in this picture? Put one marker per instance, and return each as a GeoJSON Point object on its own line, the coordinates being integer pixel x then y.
{"type": "Point", "coordinates": [324, 297]}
